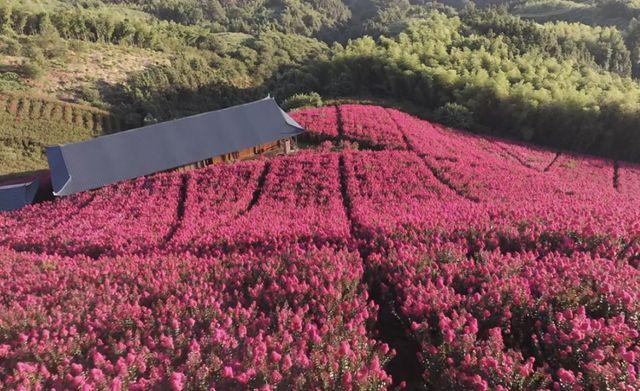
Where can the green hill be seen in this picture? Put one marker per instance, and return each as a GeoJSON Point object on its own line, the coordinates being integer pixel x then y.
{"type": "Point", "coordinates": [563, 84]}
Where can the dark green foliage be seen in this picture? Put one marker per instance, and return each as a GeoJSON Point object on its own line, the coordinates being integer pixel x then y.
{"type": "Point", "coordinates": [604, 46]}
{"type": "Point", "coordinates": [312, 99]}
{"type": "Point", "coordinates": [32, 70]}
{"type": "Point", "coordinates": [194, 84]}
{"type": "Point", "coordinates": [191, 22]}
{"type": "Point", "coordinates": [454, 115]}
{"type": "Point", "coordinates": [11, 81]}
{"type": "Point", "coordinates": [100, 25]}
{"type": "Point", "coordinates": [89, 94]}
{"type": "Point", "coordinates": [632, 41]}
{"type": "Point", "coordinates": [10, 46]}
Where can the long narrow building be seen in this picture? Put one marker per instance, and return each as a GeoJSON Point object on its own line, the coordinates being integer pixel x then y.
{"type": "Point", "coordinates": [233, 133]}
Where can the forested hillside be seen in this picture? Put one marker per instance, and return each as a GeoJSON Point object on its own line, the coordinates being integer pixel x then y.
{"type": "Point", "coordinates": [563, 84]}
{"type": "Point", "coordinates": [515, 79]}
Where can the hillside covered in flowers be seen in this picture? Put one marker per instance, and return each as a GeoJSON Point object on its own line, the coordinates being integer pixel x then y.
{"type": "Point", "coordinates": [394, 254]}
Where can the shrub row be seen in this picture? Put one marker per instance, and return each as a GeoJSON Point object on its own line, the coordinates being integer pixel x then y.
{"type": "Point", "coordinates": [26, 107]}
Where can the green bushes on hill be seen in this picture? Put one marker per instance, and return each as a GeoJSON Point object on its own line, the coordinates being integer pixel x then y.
{"type": "Point", "coordinates": [233, 74]}
{"type": "Point", "coordinates": [28, 124]}
{"type": "Point", "coordinates": [23, 139]}
{"type": "Point", "coordinates": [98, 25]}
{"type": "Point", "coordinates": [25, 107]}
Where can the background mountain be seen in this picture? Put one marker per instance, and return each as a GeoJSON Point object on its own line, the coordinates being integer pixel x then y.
{"type": "Point", "coordinates": [562, 73]}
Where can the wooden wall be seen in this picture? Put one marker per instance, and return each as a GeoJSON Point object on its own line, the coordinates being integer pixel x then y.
{"type": "Point", "coordinates": [269, 149]}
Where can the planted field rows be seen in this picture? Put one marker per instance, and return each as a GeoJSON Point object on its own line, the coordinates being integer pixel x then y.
{"type": "Point", "coordinates": [292, 319]}
{"type": "Point", "coordinates": [426, 258]}
{"type": "Point", "coordinates": [31, 108]}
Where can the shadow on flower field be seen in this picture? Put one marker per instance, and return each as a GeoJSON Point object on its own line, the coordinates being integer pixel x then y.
{"type": "Point", "coordinates": [393, 253]}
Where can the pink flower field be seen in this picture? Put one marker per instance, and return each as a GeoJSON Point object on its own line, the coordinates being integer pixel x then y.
{"type": "Point", "coordinates": [425, 258]}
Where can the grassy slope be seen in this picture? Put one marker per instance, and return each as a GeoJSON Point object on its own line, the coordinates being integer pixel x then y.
{"type": "Point", "coordinates": [29, 123]}
{"type": "Point", "coordinates": [87, 65]}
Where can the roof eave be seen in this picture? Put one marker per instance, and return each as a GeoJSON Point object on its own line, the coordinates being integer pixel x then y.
{"type": "Point", "coordinates": [60, 177]}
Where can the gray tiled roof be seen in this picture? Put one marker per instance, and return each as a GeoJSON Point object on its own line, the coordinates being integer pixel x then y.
{"type": "Point", "coordinates": [17, 195]}
{"type": "Point", "coordinates": [109, 159]}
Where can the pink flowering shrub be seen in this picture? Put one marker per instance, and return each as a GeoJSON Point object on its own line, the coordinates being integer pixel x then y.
{"type": "Point", "coordinates": [320, 123]}
{"type": "Point", "coordinates": [528, 155]}
{"type": "Point", "coordinates": [392, 189]}
{"type": "Point", "coordinates": [473, 166]}
{"type": "Point", "coordinates": [371, 126]}
{"type": "Point", "coordinates": [17, 226]}
{"type": "Point", "coordinates": [134, 216]}
{"type": "Point", "coordinates": [295, 320]}
{"type": "Point", "coordinates": [628, 180]}
{"type": "Point", "coordinates": [300, 201]}
{"type": "Point", "coordinates": [518, 321]}
{"type": "Point", "coordinates": [507, 267]}
{"type": "Point", "coordinates": [575, 197]}
{"type": "Point", "coordinates": [583, 177]}
{"type": "Point", "coordinates": [394, 194]}
{"type": "Point", "coordinates": [215, 196]}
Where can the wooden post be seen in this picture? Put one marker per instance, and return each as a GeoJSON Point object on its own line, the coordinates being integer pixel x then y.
{"type": "Point", "coordinates": [287, 146]}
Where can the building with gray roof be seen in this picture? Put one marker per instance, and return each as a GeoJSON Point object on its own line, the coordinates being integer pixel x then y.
{"type": "Point", "coordinates": [15, 194]}
{"type": "Point", "coordinates": [168, 145]}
